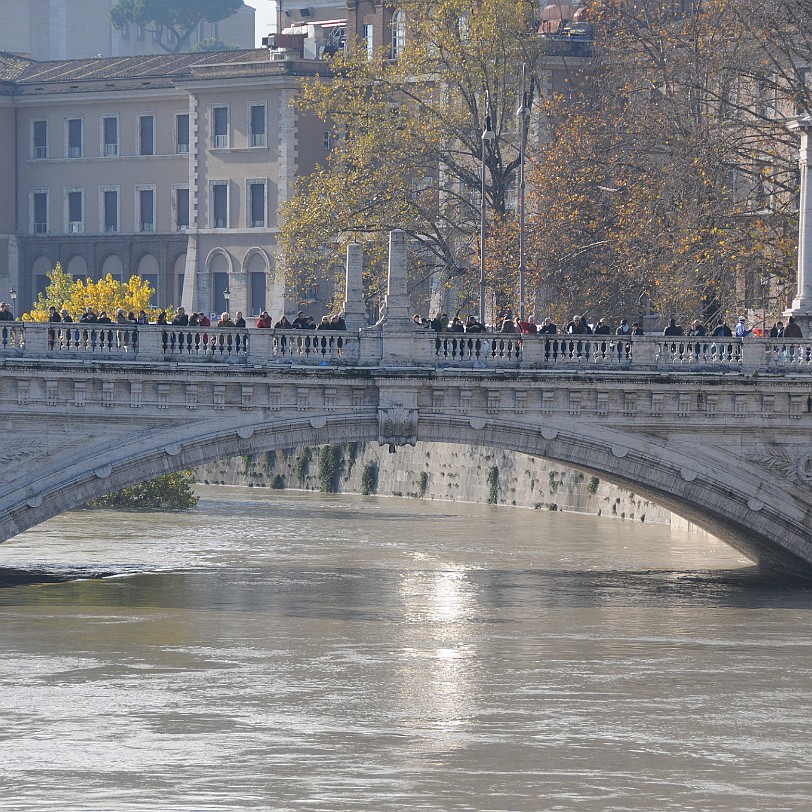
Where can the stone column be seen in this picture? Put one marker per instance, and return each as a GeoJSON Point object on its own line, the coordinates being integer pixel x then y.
{"type": "Point", "coordinates": [189, 297]}
{"type": "Point", "coordinates": [801, 307]}
{"type": "Point", "coordinates": [355, 314]}
{"type": "Point", "coordinates": [403, 343]}
{"type": "Point", "coordinates": [397, 294]}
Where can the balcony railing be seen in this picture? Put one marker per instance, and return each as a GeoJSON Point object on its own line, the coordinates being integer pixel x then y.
{"type": "Point", "coordinates": [155, 343]}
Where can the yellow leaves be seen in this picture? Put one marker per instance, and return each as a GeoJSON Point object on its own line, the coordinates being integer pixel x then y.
{"type": "Point", "coordinates": [106, 294]}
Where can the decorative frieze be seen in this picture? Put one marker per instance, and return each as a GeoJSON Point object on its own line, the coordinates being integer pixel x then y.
{"type": "Point", "coordinates": [23, 392]}
{"type": "Point", "coordinates": [246, 397]}
{"type": "Point", "coordinates": [494, 397]}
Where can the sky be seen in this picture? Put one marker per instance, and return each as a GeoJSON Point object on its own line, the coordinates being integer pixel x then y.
{"type": "Point", "coordinates": [265, 14]}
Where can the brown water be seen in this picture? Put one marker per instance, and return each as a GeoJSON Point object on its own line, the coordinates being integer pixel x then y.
{"type": "Point", "coordinates": [301, 652]}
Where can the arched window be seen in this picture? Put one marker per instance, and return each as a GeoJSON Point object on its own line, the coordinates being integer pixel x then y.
{"type": "Point", "coordinates": [398, 34]}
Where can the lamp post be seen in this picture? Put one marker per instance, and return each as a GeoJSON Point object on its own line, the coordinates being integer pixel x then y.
{"type": "Point", "coordinates": [13, 295]}
{"type": "Point", "coordinates": [227, 297]}
{"type": "Point", "coordinates": [524, 114]}
{"type": "Point", "coordinates": [487, 135]}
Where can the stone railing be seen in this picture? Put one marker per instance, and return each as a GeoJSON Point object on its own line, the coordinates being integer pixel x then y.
{"type": "Point", "coordinates": [375, 346]}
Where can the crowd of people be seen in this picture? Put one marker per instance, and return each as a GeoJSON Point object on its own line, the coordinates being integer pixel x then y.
{"type": "Point", "coordinates": [578, 325]}
{"type": "Point", "coordinates": [440, 323]}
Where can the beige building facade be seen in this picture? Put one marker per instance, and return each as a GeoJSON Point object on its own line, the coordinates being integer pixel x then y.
{"type": "Point", "coordinates": [171, 167]}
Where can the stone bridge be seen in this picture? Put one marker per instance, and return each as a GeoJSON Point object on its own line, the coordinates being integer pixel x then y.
{"type": "Point", "coordinates": [717, 430]}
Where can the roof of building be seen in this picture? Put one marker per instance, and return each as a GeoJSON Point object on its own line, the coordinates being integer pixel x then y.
{"type": "Point", "coordinates": [22, 76]}
{"type": "Point", "coordinates": [11, 66]}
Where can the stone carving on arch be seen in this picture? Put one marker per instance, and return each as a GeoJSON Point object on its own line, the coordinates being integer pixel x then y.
{"type": "Point", "coordinates": [793, 462]}
{"type": "Point", "coordinates": [216, 252]}
{"type": "Point", "coordinates": [397, 425]}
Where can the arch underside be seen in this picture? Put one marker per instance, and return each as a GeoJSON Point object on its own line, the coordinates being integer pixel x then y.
{"type": "Point", "coordinates": [750, 512]}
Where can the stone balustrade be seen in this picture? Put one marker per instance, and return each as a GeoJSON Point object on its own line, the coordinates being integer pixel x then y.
{"type": "Point", "coordinates": [375, 346]}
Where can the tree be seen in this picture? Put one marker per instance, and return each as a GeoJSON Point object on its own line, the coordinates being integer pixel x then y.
{"type": "Point", "coordinates": [106, 294]}
{"type": "Point", "coordinates": [167, 492]}
{"type": "Point", "coordinates": [671, 178]}
{"type": "Point", "coordinates": [407, 145]}
{"type": "Point", "coordinates": [179, 17]}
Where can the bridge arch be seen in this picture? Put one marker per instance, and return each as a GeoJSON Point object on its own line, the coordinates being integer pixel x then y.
{"type": "Point", "coordinates": [756, 517]}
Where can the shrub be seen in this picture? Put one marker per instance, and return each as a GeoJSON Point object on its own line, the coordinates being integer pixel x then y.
{"type": "Point", "coordinates": [351, 450]}
{"type": "Point", "coordinates": [268, 461]}
{"type": "Point", "coordinates": [422, 484]}
{"type": "Point", "coordinates": [331, 464]}
{"type": "Point", "coordinates": [166, 492]}
{"type": "Point", "coordinates": [301, 465]}
{"type": "Point", "coordinates": [493, 485]}
{"type": "Point", "coordinates": [592, 485]}
{"type": "Point", "coordinates": [278, 483]}
{"type": "Point", "coordinates": [553, 482]}
{"type": "Point", "coordinates": [369, 479]}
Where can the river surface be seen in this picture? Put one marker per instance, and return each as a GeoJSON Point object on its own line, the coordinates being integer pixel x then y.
{"type": "Point", "coordinates": [278, 651]}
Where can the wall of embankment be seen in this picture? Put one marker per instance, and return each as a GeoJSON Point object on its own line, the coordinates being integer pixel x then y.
{"type": "Point", "coordinates": [438, 471]}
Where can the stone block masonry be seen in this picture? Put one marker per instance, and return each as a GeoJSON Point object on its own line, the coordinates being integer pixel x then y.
{"type": "Point", "coordinates": [446, 472]}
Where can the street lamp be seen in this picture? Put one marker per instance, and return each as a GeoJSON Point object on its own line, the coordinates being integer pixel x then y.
{"type": "Point", "coordinates": [487, 135]}
{"type": "Point", "coordinates": [13, 294]}
{"type": "Point", "coordinates": [227, 296]}
{"type": "Point", "coordinates": [524, 114]}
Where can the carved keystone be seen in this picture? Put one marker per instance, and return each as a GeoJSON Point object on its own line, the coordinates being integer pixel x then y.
{"type": "Point", "coordinates": [397, 426]}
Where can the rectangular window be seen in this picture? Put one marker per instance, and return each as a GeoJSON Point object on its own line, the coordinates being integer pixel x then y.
{"type": "Point", "coordinates": [258, 292]}
{"type": "Point", "coordinates": [219, 123]}
{"type": "Point", "coordinates": [258, 135]}
{"type": "Point", "coordinates": [110, 136]}
{"type": "Point", "coordinates": [369, 40]}
{"type": "Point", "coordinates": [152, 280]}
{"type": "Point", "coordinates": [74, 138]}
{"type": "Point", "coordinates": [182, 209]}
{"type": "Point", "coordinates": [219, 204]}
{"type": "Point", "coordinates": [40, 139]}
{"type": "Point", "coordinates": [182, 133]}
{"type": "Point", "coordinates": [40, 212]}
{"type": "Point", "coordinates": [110, 210]}
{"type": "Point", "coordinates": [256, 204]}
{"type": "Point", "coordinates": [146, 132]}
{"type": "Point", "coordinates": [220, 288]}
{"type": "Point", "coordinates": [146, 208]}
{"type": "Point", "coordinates": [75, 212]}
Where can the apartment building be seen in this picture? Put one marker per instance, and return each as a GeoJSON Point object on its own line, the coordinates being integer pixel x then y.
{"type": "Point", "coordinates": [79, 29]}
{"type": "Point", "coordinates": [171, 167]}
